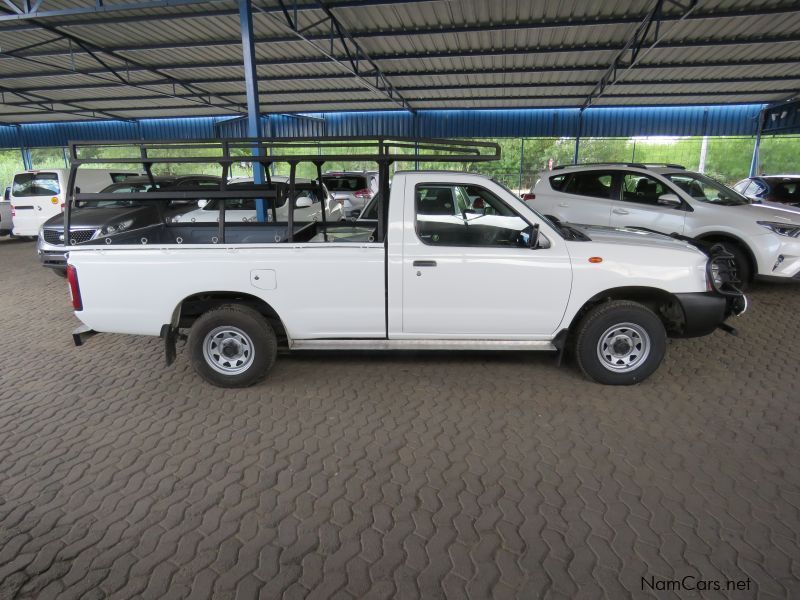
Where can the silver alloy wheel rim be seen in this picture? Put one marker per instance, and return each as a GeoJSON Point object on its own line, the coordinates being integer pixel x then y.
{"type": "Point", "coordinates": [228, 350]}
{"type": "Point", "coordinates": [623, 347]}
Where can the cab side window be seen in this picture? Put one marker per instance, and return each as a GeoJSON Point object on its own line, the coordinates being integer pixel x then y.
{"type": "Point", "coordinates": [595, 184]}
{"type": "Point", "coordinates": [467, 215]}
{"type": "Point", "coordinates": [642, 189]}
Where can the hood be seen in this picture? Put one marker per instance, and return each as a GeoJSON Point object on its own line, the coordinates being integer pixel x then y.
{"type": "Point", "coordinates": [86, 218]}
{"type": "Point", "coordinates": [631, 237]}
{"type": "Point", "coordinates": [767, 211]}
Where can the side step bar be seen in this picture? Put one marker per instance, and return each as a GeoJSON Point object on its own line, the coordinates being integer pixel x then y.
{"type": "Point", "coordinates": [381, 344]}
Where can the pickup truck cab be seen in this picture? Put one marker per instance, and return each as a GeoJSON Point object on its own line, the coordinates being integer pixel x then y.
{"type": "Point", "coordinates": [463, 264]}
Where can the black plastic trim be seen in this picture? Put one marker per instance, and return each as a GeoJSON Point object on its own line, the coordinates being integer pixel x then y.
{"type": "Point", "coordinates": [703, 312]}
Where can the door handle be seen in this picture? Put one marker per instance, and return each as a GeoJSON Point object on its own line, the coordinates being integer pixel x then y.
{"type": "Point", "coordinates": [620, 211]}
{"type": "Point", "coordinates": [564, 204]}
{"type": "Point", "coordinates": [424, 263]}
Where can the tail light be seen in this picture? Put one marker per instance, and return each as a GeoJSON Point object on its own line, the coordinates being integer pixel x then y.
{"type": "Point", "coordinates": [13, 212]}
{"type": "Point", "coordinates": [529, 196]}
{"type": "Point", "coordinates": [62, 207]}
{"type": "Point", "coordinates": [74, 288]}
{"type": "Point", "coordinates": [365, 193]}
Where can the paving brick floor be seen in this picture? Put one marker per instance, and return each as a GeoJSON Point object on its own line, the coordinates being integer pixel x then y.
{"type": "Point", "coordinates": [391, 476]}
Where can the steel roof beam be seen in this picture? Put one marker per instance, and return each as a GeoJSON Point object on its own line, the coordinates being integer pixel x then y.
{"type": "Point", "coordinates": [512, 26]}
{"type": "Point", "coordinates": [42, 103]}
{"type": "Point", "coordinates": [339, 59]}
{"type": "Point", "coordinates": [638, 45]}
{"type": "Point", "coordinates": [355, 60]}
{"type": "Point", "coordinates": [305, 103]}
{"type": "Point", "coordinates": [94, 50]}
{"type": "Point", "coordinates": [426, 73]}
{"type": "Point", "coordinates": [465, 86]}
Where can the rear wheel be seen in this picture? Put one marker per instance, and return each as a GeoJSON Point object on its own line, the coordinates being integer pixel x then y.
{"type": "Point", "coordinates": [232, 346]}
{"type": "Point", "coordinates": [620, 343]}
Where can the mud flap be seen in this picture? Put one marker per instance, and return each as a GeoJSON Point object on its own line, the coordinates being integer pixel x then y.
{"type": "Point", "coordinates": [170, 336]}
{"type": "Point", "coordinates": [79, 334]}
{"type": "Point", "coordinates": [560, 342]}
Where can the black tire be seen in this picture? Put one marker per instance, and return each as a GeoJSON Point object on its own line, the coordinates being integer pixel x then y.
{"type": "Point", "coordinates": [744, 269]}
{"type": "Point", "coordinates": [262, 344]}
{"type": "Point", "coordinates": [595, 326]}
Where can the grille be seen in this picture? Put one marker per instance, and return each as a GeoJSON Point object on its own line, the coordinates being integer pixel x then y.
{"type": "Point", "coordinates": [78, 236]}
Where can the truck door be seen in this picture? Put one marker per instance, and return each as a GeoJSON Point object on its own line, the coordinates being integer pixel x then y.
{"type": "Point", "coordinates": [468, 271]}
{"type": "Point", "coordinates": [35, 197]}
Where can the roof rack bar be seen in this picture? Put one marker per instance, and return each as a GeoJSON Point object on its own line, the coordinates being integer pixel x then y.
{"type": "Point", "coordinates": [237, 150]}
{"type": "Point", "coordinates": [619, 164]}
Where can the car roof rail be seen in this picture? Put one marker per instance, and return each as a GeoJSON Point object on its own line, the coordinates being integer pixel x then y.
{"type": "Point", "coordinates": [620, 164]}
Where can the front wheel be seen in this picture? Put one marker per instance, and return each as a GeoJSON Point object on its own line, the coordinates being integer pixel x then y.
{"type": "Point", "coordinates": [620, 343]}
{"type": "Point", "coordinates": [232, 346]}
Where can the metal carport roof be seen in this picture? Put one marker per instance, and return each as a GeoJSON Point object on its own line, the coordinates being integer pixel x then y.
{"type": "Point", "coordinates": [76, 59]}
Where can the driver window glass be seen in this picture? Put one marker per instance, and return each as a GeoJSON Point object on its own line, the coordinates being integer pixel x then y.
{"type": "Point", "coordinates": [642, 189]}
{"type": "Point", "coordinates": [466, 215]}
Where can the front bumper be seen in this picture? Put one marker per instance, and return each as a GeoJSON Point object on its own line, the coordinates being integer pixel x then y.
{"type": "Point", "coordinates": [704, 312]}
{"type": "Point", "coordinates": [51, 255]}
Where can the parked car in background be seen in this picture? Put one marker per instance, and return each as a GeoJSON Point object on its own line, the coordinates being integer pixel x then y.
{"type": "Point", "coordinates": [783, 189]}
{"type": "Point", "coordinates": [308, 205]}
{"type": "Point", "coordinates": [39, 195]}
{"type": "Point", "coordinates": [353, 188]}
{"type": "Point", "coordinates": [5, 213]}
{"type": "Point", "coordinates": [764, 239]}
{"type": "Point", "coordinates": [97, 218]}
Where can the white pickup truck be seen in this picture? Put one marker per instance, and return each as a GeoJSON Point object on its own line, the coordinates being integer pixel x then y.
{"type": "Point", "coordinates": [457, 262]}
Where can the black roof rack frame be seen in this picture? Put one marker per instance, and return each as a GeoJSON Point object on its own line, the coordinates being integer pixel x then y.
{"type": "Point", "coordinates": [228, 151]}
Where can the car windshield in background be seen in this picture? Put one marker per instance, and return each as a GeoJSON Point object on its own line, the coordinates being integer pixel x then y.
{"type": "Point", "coordinates": [784, 189]}
{"type": "Point", "coordinates": [705, 189]}
{"type": "Point", "coordinates": [345, 183]}
{"type": "Point", "coordinates": [116, 188]}
{"type": "Point", "coordinates": [36, 184]}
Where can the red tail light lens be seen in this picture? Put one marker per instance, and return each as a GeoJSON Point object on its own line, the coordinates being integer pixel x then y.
{"type": "Point", "coordinates": [365, 193]}
{"type": "Point", "coordinates": [74, 288]}
{"type": "Point", "coordinates": [529, 196]}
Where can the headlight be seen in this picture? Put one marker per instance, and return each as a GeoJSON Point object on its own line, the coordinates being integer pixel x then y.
{"type": "Point", "coordinates": [786, 229]}
{"type": "Point", "coordinates": [109, 229]}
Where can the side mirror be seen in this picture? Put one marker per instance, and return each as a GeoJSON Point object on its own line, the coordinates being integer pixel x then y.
{"type": "Point", "coordinates": [670, 200]}
{"type": "Point", "coordinates": [304, 202]}
{"type": "Point", "coordinates": [202, 203]}
{"type": "Point", "coordinates": [7, 194]}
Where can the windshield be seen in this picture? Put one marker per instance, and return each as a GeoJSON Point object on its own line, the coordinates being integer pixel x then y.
{"type": "Point", "coordinates": [345, 183]}
{"type": "Point", "coordinates": [116, 188]}
{"type": "Point", "coordinates": [705, 189]}
{"type": "Point", "coordinates": [36, 184]}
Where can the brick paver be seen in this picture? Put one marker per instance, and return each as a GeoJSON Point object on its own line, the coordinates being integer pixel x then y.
{"type": "Point", "coordinates": [391, 475]}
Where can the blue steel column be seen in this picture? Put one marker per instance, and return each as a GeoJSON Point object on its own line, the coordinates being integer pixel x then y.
{"type": "Point", "coordinates": [757, 146]}
{"type": "Point", "coordinates": [251, 85]}
{"type": "Point", "coordinates": [26, 159]}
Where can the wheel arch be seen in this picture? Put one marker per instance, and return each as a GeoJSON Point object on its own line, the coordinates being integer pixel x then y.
{"type": "Point", "coordinates": [663, 303]}
{"type": "Point", "coordinates": [723, 236]}
{"type": "Point", "coordinates": [191, 307]}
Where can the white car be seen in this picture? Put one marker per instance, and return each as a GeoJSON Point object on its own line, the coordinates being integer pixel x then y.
{"type": "Point", "coordinates": [457, 262]}
{"type": "Point", "coordinates": [763, 237]}
{"type": "Point", "coordinates": [37, 196]}
{"type": "Point", "coordinates": [308, 206]}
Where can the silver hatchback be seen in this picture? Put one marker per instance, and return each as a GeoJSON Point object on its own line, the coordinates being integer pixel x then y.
{"type": "Point", "coordinates": [353, 189]}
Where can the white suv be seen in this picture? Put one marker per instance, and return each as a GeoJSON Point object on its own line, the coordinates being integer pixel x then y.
{"type": "Point", "coordinates": [764, 237]}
